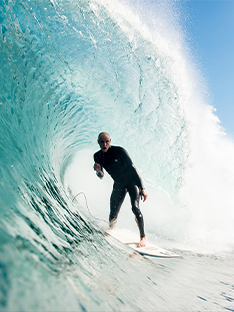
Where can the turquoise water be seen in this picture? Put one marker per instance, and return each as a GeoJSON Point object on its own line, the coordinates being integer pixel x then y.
{"type": "Point", "coordinates": [69, 70]}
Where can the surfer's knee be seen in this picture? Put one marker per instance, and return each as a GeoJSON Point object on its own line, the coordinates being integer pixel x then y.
{"type": "Point", "coordinates": [139, 218]}
{"type": "Point", "coordinates": [136, 211]}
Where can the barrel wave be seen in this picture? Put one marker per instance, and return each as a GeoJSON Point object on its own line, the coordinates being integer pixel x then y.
{"type": "Point", "coordinates": [69, 70]}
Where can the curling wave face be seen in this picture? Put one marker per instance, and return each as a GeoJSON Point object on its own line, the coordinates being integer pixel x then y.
{"type": "Point", "coordinates": [67, 68]}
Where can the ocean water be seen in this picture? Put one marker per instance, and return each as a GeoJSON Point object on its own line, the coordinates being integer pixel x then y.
{"type": "Point", "coordinates": [69, 70]}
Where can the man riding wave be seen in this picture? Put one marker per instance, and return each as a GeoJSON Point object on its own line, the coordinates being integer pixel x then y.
{"type": "Point", "coordinates": [116, 161]}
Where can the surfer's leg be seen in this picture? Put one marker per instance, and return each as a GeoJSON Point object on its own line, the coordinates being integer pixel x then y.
{"type": "Point", "coordinates": [116, 200]}
{"type": "Point", "coordinates": [134, 194]}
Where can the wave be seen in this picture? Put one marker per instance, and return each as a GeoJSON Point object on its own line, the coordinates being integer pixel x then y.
{"type": "Point", "coordinates": [71, 70]}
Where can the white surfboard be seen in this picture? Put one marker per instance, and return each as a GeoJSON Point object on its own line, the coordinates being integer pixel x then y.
{"type": "Point", "coordinates": [148, 250]}
{"type": "Point", "coordinates": [153, 251]}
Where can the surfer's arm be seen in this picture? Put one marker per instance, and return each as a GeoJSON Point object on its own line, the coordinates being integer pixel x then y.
{"type": "Point", "coordinates": [128, 162]}
{"type": "Point", "coordinates": [99, 170]}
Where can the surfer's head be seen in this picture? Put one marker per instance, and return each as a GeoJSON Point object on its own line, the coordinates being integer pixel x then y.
{"type": "Point", "coordinates": [104, 141]}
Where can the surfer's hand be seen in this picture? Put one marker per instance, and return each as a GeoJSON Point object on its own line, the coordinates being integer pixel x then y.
{"type": "Point", "coordinates": [143, 195]}
{"type": "Point", "coordinates": [97, 167]}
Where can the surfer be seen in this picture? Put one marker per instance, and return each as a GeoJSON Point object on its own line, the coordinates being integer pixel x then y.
{"type": "Point", "coordinates": [116, 161]}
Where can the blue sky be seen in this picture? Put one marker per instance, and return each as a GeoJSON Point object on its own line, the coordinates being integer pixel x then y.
{"type": "Point", "coordinates": [211, 29]}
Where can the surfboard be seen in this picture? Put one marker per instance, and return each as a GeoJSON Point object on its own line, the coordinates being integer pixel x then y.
{"type": "Point", "coordinates": [149, 250]}
{"type": "Point", "coordinates": [153, 251]}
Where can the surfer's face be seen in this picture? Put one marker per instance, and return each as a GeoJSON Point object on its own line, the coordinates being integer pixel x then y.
{"type": "Point", "coordinates": [104, 142]}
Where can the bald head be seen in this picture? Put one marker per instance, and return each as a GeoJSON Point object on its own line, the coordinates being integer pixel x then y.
{"type": "Point", "coordinates": [104, 141]}
{"type": "Point", "coordinates": [103, 135]}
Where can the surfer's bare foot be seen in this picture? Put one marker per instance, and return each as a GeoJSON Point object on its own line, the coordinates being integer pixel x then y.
{"type": "Point", "coordinates": [142, 242]}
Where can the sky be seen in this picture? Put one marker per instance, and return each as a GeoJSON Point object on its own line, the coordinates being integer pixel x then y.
{"type": "Point", "coordinates": [211, 28]}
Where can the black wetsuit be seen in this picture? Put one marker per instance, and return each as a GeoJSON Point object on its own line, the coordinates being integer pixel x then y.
{"type": "Point", "coordinates": [118, 164]}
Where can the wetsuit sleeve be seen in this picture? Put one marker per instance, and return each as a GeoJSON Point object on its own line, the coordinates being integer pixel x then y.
{"type": "Point", "coordinates": [127, 160]}
{"type": "Point", "coordinates": [100, 174]}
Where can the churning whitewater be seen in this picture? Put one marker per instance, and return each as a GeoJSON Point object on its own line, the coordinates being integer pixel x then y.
{"type": "Point", "coordinates": [69, 70]}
